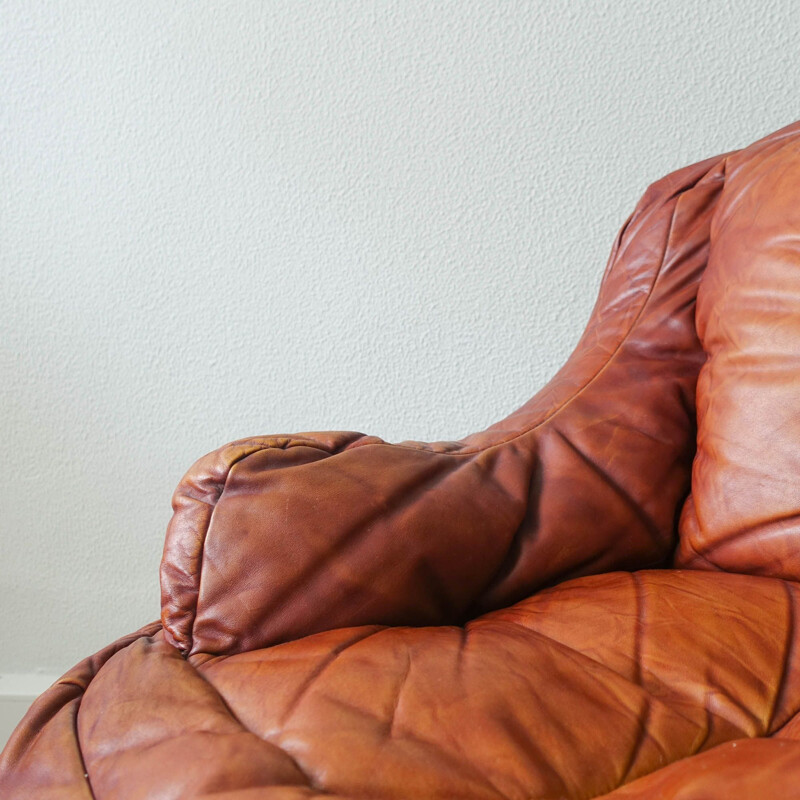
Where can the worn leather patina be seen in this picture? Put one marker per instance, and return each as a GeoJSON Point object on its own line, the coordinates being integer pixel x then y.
{"type": "Point", "coordinates": [595, 597]}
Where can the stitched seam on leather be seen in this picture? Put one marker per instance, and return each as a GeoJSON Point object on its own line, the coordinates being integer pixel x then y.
{"type": "Point", "coordinates": [609, 480]}
{"type": "Point", "coordinates": [563, 646]}
{"type": "Point", "coordinates": [638, 678]}
{"type": "Point", "coordinates": [553, 412]}
{"type": "Point", "coordinates": [650, 698]}
{"type": "Point", "coordinates": [751, 531]}
{"type": "Point", "coordinates": [87, 779]}
{"type": "Point", "coordinates": [319, 669]}
{"type": "Point", "coordinates": [579, 653]}
{"type": "Point", "coordinates": [776, 734]}
{"type": "Point", "coordinates": [81, 688]}
{"type": "Point", "coordinates": [648, 695]}
{"type": "Point", "coordinates": [312, 784]}
{"type": "Point", "coordinates": [698, 555]}
{"type": "Point", "coordinates": [443, 750]}
{"type": "Point", "coordinates": [789, 654]}
{"type": "Point", "coordinates": [83, 693]}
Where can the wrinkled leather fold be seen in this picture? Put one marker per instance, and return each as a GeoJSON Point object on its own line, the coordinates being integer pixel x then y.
{"type": "Point", "coordinates": [274, 538]}
{"type": "Point", "coordinates": [43, 757]}
{"type": "Point", "coordinates": [744, 511]}
{"type": "Point", "coordinates": [350, 619]}
{"type": "Point", "coordinates": [644, 683]}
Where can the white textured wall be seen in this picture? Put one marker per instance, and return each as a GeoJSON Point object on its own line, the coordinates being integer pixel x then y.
{"type": "Point", "coordinates": [224, 219]}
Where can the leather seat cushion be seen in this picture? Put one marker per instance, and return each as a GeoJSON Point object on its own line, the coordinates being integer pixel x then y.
{"type": "Point", "coordinates": [571, 693]}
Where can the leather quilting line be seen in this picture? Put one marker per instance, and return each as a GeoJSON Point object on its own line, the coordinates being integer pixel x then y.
{"type": "Point", "coordinates": [578, 568]}
{"type": "Point", "coordinates": [463, 632]}
{"type": "Point", "coordinates": [778, 732]}
{"type": "Point", "coordinates": [575, 653]}
{"type": "Point", "coordinates": [401, 685]}
{"type": "Point", "coordinates": [528, 744]}
{"type": "Point", "coordinates": [526, 532]}
{"type": "Point", "coordinates": [458, 760]}
{"type": "Point", "coordinates": [641, 715]}
{"type": "Point", "coordinates": [640, 623]}
{"type": "Point", "coordinates": [703, 740]}
{"type": "Point", "coordinates": [715, 692]}
{"type": "Point", "coordinates": [70, 682]}
{"type": "Point", "coordinates": [189, 644]}
{"type": "Point", "coordinates": [31, 743]}
{"type": "Point", "coordinates": [312, 784]}
{"type": "Point", "coordinates": [638, 680]}
{"type": "Point", "coordinates": [643, 735]}
{"type": "Point", "coordinates": [615, 247]}
{"type": "Point", "coordinates": [649, 698]}
{"type": "Point", "coordinates": [320, 669]}
{"type": "Point", "coordinates": [307, 770]}
{"type": "Point", "coordinates": [648, 524]}
{"type": "Point", "coordinates": [79, 748]}
{"type": "Point", "coordinates": [696, 556]}
{"type": "Point", "coordinates": [759, 166]}
{"type": "Point", "coordinates": [470, 451]}
{"type": "Point", "coordinates": [82, 693]}
{"type": "Point", "coordinates": [623, 340]}
{"type": "Point", "coordinates": [141, 749]}
{"type": "Point", "coordinates": [402, 496]}
{"type": "Point", "coordinates": [789, 656]}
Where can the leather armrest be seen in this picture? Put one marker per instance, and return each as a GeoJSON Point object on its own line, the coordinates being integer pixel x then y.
{"type": "Point", "coordinates": [325, 530]}
{"type": "Point", "coordinates": [277, 537]}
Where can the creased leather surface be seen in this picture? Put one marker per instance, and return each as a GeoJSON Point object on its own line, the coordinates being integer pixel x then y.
{"type": "Point", "coordinates": [535, 701]}
{"type": "Point", "coordinates": [278, 537]}
{"type": "Point", "coordinates": [749, 768]}
{"type": "Point", "coordinates": [744, 513]}
{"type": "Point", "coordinates": [523, 702]}
{"type": "Point", "coordinates": [349, 619]}
{"type": "Point", "coordinates": [43, 758]}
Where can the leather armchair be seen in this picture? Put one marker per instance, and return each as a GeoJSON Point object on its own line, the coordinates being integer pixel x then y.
{"type": "Point", "coordinates": [596, 596]}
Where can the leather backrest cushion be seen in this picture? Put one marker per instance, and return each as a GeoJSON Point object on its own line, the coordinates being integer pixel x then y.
{"type": "Point", "coordinates": [744, 511]}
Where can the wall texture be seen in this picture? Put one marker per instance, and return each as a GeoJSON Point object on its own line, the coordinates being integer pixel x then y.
{"type": "Point", "coordinates": [224, 219]}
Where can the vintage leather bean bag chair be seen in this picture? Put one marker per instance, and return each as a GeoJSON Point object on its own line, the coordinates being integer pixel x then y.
{"type": "Point", "coordinates": [596, 596]}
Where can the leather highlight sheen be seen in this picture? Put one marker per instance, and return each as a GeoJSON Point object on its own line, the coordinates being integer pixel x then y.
{"type": "Point", "coordinates": [596, 597]}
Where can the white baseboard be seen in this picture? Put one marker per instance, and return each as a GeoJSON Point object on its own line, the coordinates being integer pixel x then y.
{"type": "Point", "coordinates": [17, 692]}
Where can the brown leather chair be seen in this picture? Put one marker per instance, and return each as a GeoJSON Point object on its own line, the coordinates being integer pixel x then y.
{"type": "Point", "coordinates": [596, 596]}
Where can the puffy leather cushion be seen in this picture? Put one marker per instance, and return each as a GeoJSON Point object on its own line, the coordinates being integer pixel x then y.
{"type": "Point", "coordinates": [277, 537]}
{"type": "Point", "coordinates": [277, 675]}
{"type": "Point", "coordinates": [571, 693]}
{"type": "Point", "coordinates": [744, 511]}
{"type": "Point", "coordinates": [748, 769]}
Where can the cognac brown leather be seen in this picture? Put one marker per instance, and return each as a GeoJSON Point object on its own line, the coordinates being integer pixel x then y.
{"type": "Point", "coordinates": [595, 597]}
